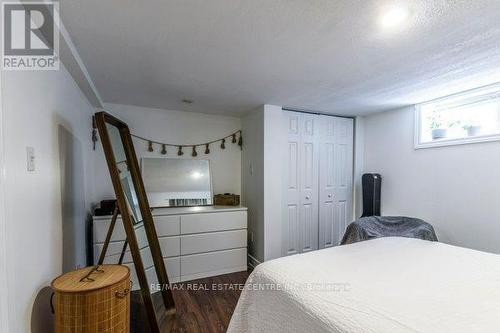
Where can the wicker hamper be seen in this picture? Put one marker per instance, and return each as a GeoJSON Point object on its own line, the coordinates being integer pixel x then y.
{"type": "Point", "coordinates": [93, 301]}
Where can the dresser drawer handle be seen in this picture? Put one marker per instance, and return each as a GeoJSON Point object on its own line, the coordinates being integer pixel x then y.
{"type": "Point", "coordinates": [122, 294]}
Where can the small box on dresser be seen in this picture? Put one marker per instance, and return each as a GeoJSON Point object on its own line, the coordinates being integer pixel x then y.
{"type": "Point", "coordinates": [196, 242]}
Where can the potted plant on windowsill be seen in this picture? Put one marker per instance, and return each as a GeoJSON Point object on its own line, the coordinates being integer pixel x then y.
{"type": "Point", "coordinates": [439, 133]}
{"type": "Point", "coordinates": [438, 130]}
{"type": "Point", "coordinates": [472, 130]}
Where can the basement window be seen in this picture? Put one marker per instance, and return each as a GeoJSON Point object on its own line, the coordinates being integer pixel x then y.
{"type": "Point", "coordinates": [469, 117]}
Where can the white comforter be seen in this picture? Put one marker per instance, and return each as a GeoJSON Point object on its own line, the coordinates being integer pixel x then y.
{"type": "Point", "coordinates": [382, 285]}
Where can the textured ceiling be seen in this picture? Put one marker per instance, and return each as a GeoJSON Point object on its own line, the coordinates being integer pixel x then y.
{"type": "Point", "coordinates": [325, 55]}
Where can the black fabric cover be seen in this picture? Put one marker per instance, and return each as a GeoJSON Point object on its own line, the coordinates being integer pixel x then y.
{"type": "Point", "coordinates": [385, 226]}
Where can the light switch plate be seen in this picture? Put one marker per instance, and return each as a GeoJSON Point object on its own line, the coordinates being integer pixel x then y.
{"type": "Point", "coordinates": [30, 159]}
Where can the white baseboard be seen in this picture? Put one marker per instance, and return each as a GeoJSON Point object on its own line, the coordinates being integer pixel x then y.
{"type": "Point", "coordinates": [252, 262]}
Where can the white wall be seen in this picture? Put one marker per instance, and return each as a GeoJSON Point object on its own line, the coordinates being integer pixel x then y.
{"type": "Point", "coordinates": [275, 139]}
{"type": "Point", "coordinates": [46, 209]}
{"type": "Point", "coordinates": [455, 188]}
{"type": "Point", "coordinates": [264, 130]}
{"type": "Point", "coordinates": [4, 302]}
{"type": "Point", "coordinates": [183, 128]}
{"type": "Point", "coordinates": [252, 174]}
{"type": "Point", "coordinates": [359, 161]}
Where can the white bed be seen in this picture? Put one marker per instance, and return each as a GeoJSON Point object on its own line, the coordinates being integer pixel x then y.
{"type": "Point", "coordinates": [383, 285]}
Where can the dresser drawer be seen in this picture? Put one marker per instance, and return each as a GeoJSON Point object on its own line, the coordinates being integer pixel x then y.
{"type": "Point", "coordinates": [214, 241]}
{"type": "Point", "coordinates": [167, 225]}
{"type": "Point", "coordinates": [114, 248]}
{"type": "Point", "coordinates": [172, 265]}
{"type": "Point", "coordinates": [197, 223]}
{"type": "Point", "coordinates": [150, 275]}
{"type": "Point", "coordinates": [147, 258]}
{"type": "Point", "coordinates": [213, 263]}
{"type": "Point", "coordinates": [170, 247]}
{"type": "Point", "coordinates": [101, 230]}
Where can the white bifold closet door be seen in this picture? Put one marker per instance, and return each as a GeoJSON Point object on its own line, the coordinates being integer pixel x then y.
{"type": "Point", "coordinates": [301, 193]}
{"type": "Point", "coordinates": [318, 181]}
{"type": "Point", "coordinates": [335, 179]}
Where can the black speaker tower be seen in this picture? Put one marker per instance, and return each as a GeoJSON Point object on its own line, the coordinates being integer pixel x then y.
{"type": "Point", "coordinates": [372, 184]}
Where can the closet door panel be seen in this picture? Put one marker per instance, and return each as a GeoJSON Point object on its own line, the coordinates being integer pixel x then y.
{"type": "Point", "coordinates": [291, 223]}
{"type": "Point", "coordinates": [343, 173]}
{"type": "Point", "coordinates": [336, 165]}
{"type": "Point", "coordinates": [309, 226]}
{"type": "Point", "coordinates": [341, 220]}
{"type": "Point", "coordinates": [292, 231]}
{"type": "Point", "coordinates": [309, 167]}
{"type": "Point", "coordinates": [327, 209]}
{"type": "Point", "coordinates": [327, 227]}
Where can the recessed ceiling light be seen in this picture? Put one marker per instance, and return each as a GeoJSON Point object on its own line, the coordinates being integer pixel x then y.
{"type": "Point", "coordinates": [394, 16]}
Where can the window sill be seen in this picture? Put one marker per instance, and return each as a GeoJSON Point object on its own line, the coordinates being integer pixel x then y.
{"type": "Point", "coordinates": [460, 141]}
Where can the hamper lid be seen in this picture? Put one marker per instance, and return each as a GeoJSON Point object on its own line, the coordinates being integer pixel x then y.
{"type": "Point", "coordinates": [90, 278]}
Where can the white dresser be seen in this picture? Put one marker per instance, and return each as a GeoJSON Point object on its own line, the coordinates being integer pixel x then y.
{"type": "Point", "coordinates": [196, 242]}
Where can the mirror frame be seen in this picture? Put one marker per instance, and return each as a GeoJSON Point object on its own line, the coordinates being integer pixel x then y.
{"type": "Point", "coordinates": [101, 119]}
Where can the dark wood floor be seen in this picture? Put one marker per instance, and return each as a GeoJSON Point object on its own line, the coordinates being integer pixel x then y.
{"type": "Point", "coordinates": [204, 305]}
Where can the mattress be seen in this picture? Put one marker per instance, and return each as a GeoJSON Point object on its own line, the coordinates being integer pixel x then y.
{"type": "Point", "coordinates": [383, 285]}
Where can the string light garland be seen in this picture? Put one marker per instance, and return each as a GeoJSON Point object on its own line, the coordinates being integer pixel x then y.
{"type": "Point", "coordinates": [151, 143]}
{"type": "Point", "coordinates": [235, 137]}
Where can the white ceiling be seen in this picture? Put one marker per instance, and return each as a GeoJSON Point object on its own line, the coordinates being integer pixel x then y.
{"type": "Point", "coordinates": [326, 55]}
